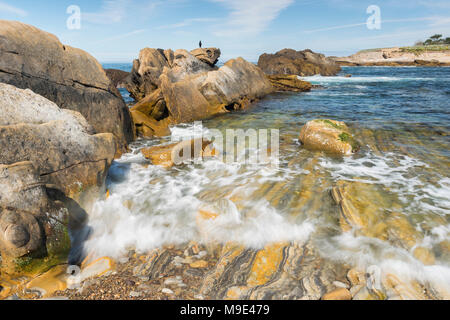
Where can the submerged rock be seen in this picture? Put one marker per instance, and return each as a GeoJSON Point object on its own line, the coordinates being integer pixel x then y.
{"type": "Point", "coordinates": [177, 153]}
{"type": "Point", "coordinates": [329, 136]}
{"type": "Point", "coordinates": [71, 78]}
{"type": "Point", "coordinates": [283, 82]}
{"type": "Point", "coordinates": [301, 63]}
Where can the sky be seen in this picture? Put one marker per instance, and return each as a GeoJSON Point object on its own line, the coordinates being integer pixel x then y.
{"type": "Point", "coordinates": [116, 30]}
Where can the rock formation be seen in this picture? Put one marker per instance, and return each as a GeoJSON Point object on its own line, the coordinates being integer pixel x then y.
{"type": "Point", "coordinates": [31, 58]}
{"type": "Point", "coordinates": [329, 136]}
{"type": "Point", "coordinates": [207, 55]}
{"type": "Point", "coordinates": [116, 77]}
{"type": "Point", "coordinates": [63, 158]}
{"type": "Point", "coordinates": [174, 87]}
{"type": "Point", "coordinates": [283, 82]}
{"type": "Point", "coordinates": [301, 63]}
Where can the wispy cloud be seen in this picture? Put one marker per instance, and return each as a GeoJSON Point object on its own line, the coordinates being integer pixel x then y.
{"type": "Point", "coordinates": [187, 22]}
{"type": "Point", "coordinates": [112, 11]}
{"type": "Point", "coordinates": [6, 8]}
{"type": "Point", "coordinates": [249, 17]}
{"type": "Point", "coordinates": [124, 36]}
{"type": "Point", "coordinates": [345, 26]}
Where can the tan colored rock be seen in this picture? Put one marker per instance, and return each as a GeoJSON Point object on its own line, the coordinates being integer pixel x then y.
{"type": "Point", "coordinates": [329, 136]}
{"type": "Point", "coordinates": [201, 264]}
{"type": "Point", "coordinates": [58, 142]}
{"type": "Point", "coordinates": [283, 82]}
{"type": "Point", "coordinates": [51, 281]}
{"type": "Point", "coordinates": [173, 154]}
{"type": "Point", "coordinates": [207, 55]}
{"type": "Point", "coordinates": [338, 294]}
{"type": "Point", "coordinates": [149, 127]}
{"type": "Point", "coordinates": [69, 77]}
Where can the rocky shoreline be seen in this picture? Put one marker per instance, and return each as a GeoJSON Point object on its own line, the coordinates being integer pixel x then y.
{"type": "Point", "coordinates": [62, 124]}
{"type": "Point", "coordinates": [397, 57]}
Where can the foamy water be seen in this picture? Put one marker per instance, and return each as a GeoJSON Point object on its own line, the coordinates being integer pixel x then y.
{"type": "Point", "coordinates": [150, 206]}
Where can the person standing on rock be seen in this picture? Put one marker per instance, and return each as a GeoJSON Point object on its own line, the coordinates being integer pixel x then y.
{"type": "Point", "coordinates": [200, 44]}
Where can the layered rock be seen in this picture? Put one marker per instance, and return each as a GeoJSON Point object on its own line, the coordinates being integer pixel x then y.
{"type": "Point", "coordinates": [329, 136]}
{"type": "Point", "coordinates": [71, 78]}
{"type": "Point", "coordinates": [283, 82]}
{"type": "Point", "coordinates": [302, 63]}
{"type": "Point", "coordinates": [176, 87]}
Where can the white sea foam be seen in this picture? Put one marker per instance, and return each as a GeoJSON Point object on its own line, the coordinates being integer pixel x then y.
{"type": "Point", "coordinates": [151, 206]}
{"type": "Point", "coordinates": [364, 253]}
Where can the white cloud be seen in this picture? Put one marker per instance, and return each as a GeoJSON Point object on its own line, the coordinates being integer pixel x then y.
{"type": "Point", "coordinates": [434, 21]}
{"type": "Point", "coordinates": [249, 17]}
{"type": "Point", "coordinates": [112, 11]}
{"type": "Point", "coordinates": [4, 7]}
{"type": "Point", "coordinates": [187, 22]}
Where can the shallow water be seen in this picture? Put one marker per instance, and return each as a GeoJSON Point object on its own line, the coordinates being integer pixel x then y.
{"type": "Point", "coordinates": [401, 116]}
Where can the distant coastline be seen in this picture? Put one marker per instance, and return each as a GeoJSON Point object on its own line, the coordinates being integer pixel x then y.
{"type": "Point", "coordinates": [421, 56]}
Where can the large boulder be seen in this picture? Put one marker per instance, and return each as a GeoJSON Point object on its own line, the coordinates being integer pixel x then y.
{"type": "Point", "coordinates": [302, 63]}
{"type": "Point", "coordinates": [60, 143]}
{"type": "Point", "coordinates": [71, 78]}
{"type": "Point", "coordinates": [33, 228]}
{"type": "Point", "coordinates": [175, 87]}
{"type": "Point", "coordinates": [329, 136]}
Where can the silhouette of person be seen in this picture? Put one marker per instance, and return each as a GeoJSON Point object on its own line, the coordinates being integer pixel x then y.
{"type": "Point", "coordinates": [200, 44]}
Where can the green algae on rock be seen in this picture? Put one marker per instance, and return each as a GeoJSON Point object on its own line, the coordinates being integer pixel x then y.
{"type": "Point", "coordinates": [328, 135]}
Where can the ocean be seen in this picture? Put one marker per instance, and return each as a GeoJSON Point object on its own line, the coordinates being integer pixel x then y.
{"type": "Point", "coordinates": [400, 179]}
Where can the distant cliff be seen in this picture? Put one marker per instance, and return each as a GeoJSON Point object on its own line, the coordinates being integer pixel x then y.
{"type": "Point", "coordinates": [406, 56]}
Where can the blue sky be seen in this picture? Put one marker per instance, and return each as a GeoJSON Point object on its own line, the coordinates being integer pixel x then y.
{"type": "Point", "coordinates": [115, 30]}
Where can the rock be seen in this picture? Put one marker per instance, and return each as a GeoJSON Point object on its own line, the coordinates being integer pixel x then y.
{"type": "Point", "coordinates": [33, 228]}
{"type": "Point", "coordinates": [201, 264]}
{"type": "Point", "coordinates": [283, 82]}
{"type": "Point", "coordinates": [177, 153]}
{"type": "Point", "coordinates": [58, 142]}
{"type": "Point", "coordinates": [176, 87]}
{"type": "Point", "coordinates": [207, 55]}
{"type": "Point", "coordinates": [148, 127]}
{"type": "Point", "coordinates": [329, 136]}
{"type": "Point", "coordinates": [301, 63]}
{"type": "Point", "coordinates": [144, 76]}
{"type": "Point", "coordinates": [116, 77]}
{"type": "Point", "coordinates": [51, 281]}
{"type": "Point", "coordinates": [348, 76]}
{"type": "Point", "coordinates": [69, 77]}
{"type": "Point", "coordinates": [338, 294]}
{"type": "Point", "coordinates": [167, 291]}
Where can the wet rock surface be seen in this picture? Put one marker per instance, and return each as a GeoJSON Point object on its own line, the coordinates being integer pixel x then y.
{"type": "Point", "coordinates": [329, 136]}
